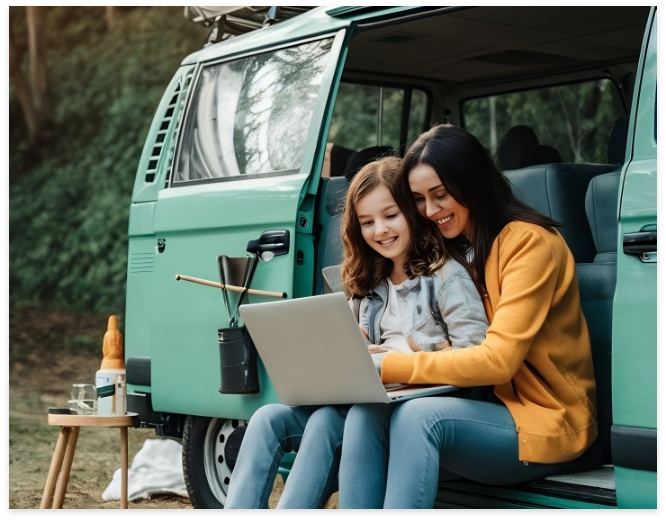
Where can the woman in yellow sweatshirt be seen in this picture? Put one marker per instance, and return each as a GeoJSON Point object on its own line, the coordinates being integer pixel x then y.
{"type": "Point", "coordinates": [537, 415]}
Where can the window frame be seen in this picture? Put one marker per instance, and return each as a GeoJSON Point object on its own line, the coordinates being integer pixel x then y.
{"type": "Point", "coordinates": [196, 78]}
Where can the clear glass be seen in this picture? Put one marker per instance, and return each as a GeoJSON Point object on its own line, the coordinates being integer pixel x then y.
{"type": "Point", "coordinates": [355, 123]}
{"type": "Point", "coordinates": [576, 119]}
{"type": "Point", "coordinates": [252, 115]}
{"type": "Point", "coordinates": [83, 399]}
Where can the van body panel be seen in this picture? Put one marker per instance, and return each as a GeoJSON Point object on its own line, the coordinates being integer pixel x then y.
{"type": "Point", "coordinates": [635, 304]}
{"type": "Point", "coordinates": [195, 222]}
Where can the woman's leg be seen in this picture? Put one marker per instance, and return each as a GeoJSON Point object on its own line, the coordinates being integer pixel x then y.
{"type": "Point", "coordinates": [364, 461]}
{"type": "Point", "coordinates": [273, 430]}
{"type": "Point", "coordinates": [313, 476]}
{"type": "Point", "coordinates": [472, 439]}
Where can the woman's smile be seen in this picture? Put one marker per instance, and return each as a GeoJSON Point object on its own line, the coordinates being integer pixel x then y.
{"type": "Point", "coordinates": [434, 202]}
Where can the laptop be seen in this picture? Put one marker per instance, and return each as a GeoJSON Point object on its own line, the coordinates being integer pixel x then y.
{"type": "Point", "coordinates": [315, 353]}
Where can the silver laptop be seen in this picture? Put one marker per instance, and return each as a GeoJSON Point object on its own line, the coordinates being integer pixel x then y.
{"type": "Point", "coordinates": [315, 353]}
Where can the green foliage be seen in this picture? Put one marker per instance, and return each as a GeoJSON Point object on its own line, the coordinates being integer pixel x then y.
{"type": "Point", "coordinates": [69, 195]}
{"type": "Point", "coordinates": [576, 119]}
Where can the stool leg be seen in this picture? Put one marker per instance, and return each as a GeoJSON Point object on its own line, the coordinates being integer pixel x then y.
{"type": "Point", "coordinates": [54, 470]}
{"type": "Point", "coordinates": [63, 478]}
{"type": "Point", "coordinates": [123, 466]}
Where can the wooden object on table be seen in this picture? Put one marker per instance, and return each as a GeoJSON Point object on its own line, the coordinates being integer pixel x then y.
{"type": "Point", "coordinates": [61, 463]}
{"type": "Point", "coordinates": [113, 346]}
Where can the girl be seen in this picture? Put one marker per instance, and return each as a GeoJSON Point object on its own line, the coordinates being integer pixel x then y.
{"type": "Point", "coordinates": [541, 418]}
{"type": "Point", "coordinates": [408, 296]}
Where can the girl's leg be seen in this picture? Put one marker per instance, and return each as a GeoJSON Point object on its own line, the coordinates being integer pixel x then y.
{"type": "Point", "coordinates": [364, 462]}
{"type": "Point", "coordinates": [472, 439]}
{"type": "Point", "coordinates": [273, 430]}
{"type": "Point", "coordinates": [313, 476]}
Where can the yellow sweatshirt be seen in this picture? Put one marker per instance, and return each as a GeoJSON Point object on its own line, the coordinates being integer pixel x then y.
{"type": "Point", "coordinates": [537, 350]}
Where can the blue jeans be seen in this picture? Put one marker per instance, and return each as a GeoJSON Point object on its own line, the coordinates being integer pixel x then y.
{"type": "Point", "coordinates": [446, 437]}
{"type": "Point", "coordinates": [316, 434]}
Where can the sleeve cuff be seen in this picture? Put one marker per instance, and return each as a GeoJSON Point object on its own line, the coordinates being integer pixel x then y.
{"type": "Point", "coordinates": [397, 368]}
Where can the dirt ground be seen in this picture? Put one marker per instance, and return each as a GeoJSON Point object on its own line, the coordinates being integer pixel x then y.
{"type": "Point", "coordinates": [48, 351]}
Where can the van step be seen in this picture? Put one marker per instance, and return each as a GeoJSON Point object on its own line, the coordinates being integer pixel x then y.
{"type": "Point", "coordinates": [594, 485]}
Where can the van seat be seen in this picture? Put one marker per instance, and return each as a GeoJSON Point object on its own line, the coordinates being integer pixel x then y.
{"type": "Point", "coordinates": [602, 210]}
{"type": "Point", "coordinates": [596, 281]}
{"type": "Point", "coordinates": [558, 191]}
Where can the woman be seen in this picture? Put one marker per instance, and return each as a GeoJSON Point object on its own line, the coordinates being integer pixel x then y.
{"type": "Point", "coordinates": [392, 265]}
{"type": "Point", "coordinates": [538, 418]}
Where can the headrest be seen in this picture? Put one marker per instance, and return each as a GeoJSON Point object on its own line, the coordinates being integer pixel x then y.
{"type": "Point", "coordinates": [601, 203]}
{"type": "Point", "coordinates": [547, 154]}
{"type": "Point", "coordinates": [361, 158]}
{"type": "Point", "coordinates": [519, 148]}
{"type": "Point", "coordinates": [617, 142]}
{"type": "Point", "coordinates": [339, 156]}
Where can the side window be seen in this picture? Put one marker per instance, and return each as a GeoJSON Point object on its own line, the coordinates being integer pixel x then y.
{"type": "Point", "coordinates": [367, 115]}
{"type": "Point", "coordinates": [251, 115]}
{"type": "Point", "coordinates": [575, 119]}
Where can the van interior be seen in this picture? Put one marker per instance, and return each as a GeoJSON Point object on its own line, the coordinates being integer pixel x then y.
{"type": "Point", "coordinates": [548, 91]}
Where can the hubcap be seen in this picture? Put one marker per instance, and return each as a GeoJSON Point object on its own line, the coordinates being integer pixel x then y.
{"type": "Point", "coordinates": [217, 456]}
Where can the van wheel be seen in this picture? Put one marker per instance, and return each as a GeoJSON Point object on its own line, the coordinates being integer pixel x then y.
{"type": "Point", "coordinates": [210, 448]}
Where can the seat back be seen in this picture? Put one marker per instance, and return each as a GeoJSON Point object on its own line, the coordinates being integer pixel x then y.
{"type": "Point", "coordinates": [558, 191]}
{"type": "Point", "coordinates": [597, 281]}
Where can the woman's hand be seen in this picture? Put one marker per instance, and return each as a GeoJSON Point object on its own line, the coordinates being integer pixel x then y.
{"type": "Point", "coordinates": [374, 349]}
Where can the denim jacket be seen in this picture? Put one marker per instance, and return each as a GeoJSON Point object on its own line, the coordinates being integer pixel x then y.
{"type": "Point", "coordinates": [439, 311]}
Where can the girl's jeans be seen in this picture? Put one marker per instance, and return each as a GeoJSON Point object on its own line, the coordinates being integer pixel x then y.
{"type": "Point", "coordinates": [316, 433]}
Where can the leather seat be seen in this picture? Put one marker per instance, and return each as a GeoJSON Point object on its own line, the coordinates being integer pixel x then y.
{"type": "Point", "coordinates": [596, 281]}
{"type": "Point", "coordinates": [558, 191]}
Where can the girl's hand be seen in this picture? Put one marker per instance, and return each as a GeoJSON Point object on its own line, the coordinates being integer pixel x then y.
{"type": "Point", "coordinates": [365, 333]}
{"type": "Point", "coordinates": [373, 348]}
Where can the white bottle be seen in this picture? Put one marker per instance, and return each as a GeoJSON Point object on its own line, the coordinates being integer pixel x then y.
{"type": "Point", "coordinates": [106, 382]}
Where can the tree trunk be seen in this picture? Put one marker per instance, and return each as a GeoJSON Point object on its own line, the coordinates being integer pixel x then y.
{"type": "Point", "coordinates": [110, 17]}
{"type": "Point", "coordinates": [22, 91]}
{"type": "Point", "coordinates": [37, 49]}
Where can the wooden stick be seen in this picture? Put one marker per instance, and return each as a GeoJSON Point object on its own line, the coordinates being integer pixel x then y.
{"type": "Point", "coordinates": [237, 289]}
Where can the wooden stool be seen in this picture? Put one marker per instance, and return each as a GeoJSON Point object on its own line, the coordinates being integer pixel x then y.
{"type": "Point", "coordinates": [61, 463]}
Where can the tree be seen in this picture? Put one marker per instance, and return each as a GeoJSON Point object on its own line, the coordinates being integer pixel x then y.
{"type": "Point", "coordinates": [22, 89]}
{"type": "Point", "coordinates": [37, 50]}
{"type": "Point", "coordinates": [110, 17]}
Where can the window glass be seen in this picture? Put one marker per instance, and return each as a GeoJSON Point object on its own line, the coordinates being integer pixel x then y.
{"type": "Point", "coordinates": [252, 115]}
{"type": "Point", "coordinates": [575, 119]}
{"type": "Point", "coordinates": [357, 121]}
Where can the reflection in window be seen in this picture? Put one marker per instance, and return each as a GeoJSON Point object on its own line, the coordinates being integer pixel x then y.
{"type": "Point", "coordinates": [252, 115]}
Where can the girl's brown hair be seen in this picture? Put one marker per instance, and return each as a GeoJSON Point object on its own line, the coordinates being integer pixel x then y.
{"type": "Point", "coordinates": [363, 267]}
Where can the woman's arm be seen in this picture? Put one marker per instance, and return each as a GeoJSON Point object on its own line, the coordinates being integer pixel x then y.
{"type": "Point", "coordinates": [528, 277]}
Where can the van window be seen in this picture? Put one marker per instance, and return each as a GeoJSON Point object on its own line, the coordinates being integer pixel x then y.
{"type": "Point", "coordinates": [576, 119]}
{"type": "Point", "coordinates": [368, 115]}
{"type": "Point", "coordinates": [251, 115]}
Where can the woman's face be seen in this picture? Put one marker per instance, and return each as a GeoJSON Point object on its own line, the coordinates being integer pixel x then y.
{"type": "Point", "coordinates": [383, 226]}
{"type": "Point", "coordinates": [434, 202]}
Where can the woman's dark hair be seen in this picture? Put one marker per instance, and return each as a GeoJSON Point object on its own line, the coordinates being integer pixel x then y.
{"type": "Point", "coordinates": [363, 267]}
{"type": "Point", "coordinates": [470, 175]}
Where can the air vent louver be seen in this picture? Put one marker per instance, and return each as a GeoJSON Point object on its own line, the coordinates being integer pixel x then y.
{"type": "Point", "coordinates": [169, 126]}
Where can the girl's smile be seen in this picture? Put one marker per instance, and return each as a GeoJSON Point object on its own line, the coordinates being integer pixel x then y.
{"type": "Point", "coordinates": [434, 202]}
{"type": "Point", "coordinates": [383, 226]}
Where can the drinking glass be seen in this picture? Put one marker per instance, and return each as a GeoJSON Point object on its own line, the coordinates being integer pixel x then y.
{"type": "Point", "coordinates": [84, 399]}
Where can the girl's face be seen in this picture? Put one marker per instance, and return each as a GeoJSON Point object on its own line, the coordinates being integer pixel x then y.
{"type": "Point", "coordinates": [383, 226]}
{"type": "Point", "coordinates": [434, 202]}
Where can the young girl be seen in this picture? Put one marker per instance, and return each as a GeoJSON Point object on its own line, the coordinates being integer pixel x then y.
{"type": "Point", "coordinates": [408, 296]}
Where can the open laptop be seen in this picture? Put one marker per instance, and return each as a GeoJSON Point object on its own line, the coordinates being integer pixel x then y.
{"type": "Point", "coordinates": [315, 353]}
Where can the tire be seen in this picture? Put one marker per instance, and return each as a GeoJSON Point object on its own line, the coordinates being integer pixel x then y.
{"type": "Point", "coordinates": [210, 448]}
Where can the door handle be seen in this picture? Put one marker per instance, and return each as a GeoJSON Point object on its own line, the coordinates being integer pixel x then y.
{"type": "Point", "coordinates": [640, 243]}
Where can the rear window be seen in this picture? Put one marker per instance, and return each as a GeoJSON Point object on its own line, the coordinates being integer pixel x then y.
{"type": "Point", "coordinates": [251, 115]}
{"type": "Point", "coordinates": [575, 119]}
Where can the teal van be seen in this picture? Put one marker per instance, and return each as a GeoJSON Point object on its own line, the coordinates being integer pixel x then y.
{"type": "Point", "coordinates": [261, 130]}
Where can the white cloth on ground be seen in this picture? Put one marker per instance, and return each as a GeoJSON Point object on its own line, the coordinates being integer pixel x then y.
{"type": "Point", "coordinates": [156, 469]}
